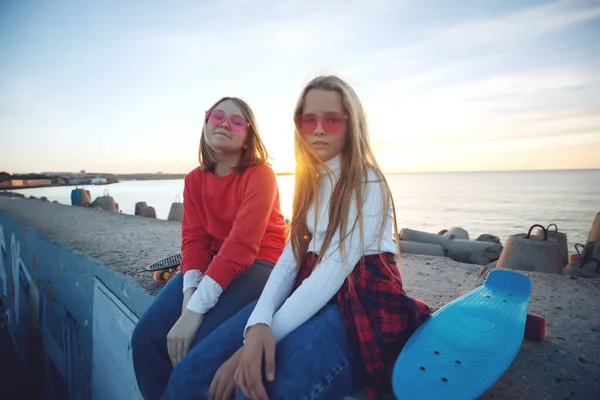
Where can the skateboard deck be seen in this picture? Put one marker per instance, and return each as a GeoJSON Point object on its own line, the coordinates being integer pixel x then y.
{"type": "Point", "coordinates": [164, 269]}
{"type": "Point", "coordinates": [170, 262]}
{"type": "Point", "coordinates": [467, 345]}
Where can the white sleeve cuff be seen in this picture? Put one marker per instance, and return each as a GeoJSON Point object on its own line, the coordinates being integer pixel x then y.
{"type": "Point", "coordinates": [205, 297]}
{"type": "Point", "coordinates": [260, 316]}
{"type": "Point", "coordinates": [192, 278]}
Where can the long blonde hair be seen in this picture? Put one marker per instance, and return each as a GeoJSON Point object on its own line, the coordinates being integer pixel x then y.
{"type": "Point", "coordinates": [357, 159]}
{"type": "Point", "coordinates": [255, 152]}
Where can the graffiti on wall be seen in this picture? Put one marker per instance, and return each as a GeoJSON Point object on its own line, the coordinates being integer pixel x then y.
{"type": "Point", "coordinates": [26, 311]}
{"type": "Point", "coordinates": [4, 276]}
{"type": "Point", "coordinates": [15, 251]}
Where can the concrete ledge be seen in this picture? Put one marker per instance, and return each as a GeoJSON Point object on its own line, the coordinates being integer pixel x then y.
{"type": "Point", "coordinates": [124, 243]}
{"type": "Point", "coordinates": [104, 254]}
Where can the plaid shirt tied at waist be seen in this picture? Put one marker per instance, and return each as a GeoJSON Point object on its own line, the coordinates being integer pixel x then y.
{"type": "Point", "coordinates": [378, 314]}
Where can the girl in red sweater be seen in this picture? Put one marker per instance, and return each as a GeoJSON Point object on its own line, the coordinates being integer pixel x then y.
{"type": "Point", "coordinates": [233, 232]}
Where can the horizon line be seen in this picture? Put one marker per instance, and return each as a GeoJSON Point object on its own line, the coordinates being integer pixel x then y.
{"type": "Point", "coordinates": [293, 173]}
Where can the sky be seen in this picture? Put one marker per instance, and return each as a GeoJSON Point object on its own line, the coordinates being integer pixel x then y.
{"type": "Point", "coordinates": [459, 85]}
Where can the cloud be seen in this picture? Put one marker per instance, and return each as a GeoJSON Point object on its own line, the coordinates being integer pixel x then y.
{"type": "Point", "coordinates": [572, 126]}
{"type": "Point", "coordinates": [511, 88]}
{"type": "Point", "coordinates": [497, 79]}
{"type": "Point", "coordinates": [484, 41]}
{"type": "Point", "coordinates": [514, 28]}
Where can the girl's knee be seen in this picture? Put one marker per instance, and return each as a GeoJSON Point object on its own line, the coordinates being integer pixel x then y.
{"type": "Point", "coordinates": [142, 337]}
{"type": "Point", "coordinates": [177, 386]}
{"type": "Point", "coordinates": [188, 381]}
{"type": "Point", "coordinates": [139, 337]}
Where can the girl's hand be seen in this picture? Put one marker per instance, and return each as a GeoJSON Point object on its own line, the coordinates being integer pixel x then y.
{"type": "Point", "coordinates": [259, 342]}
{"type": "Point", "coordinates": [223, 386]}
{"type": "Point", "coordinates": [187, 295]}
{"type": "Point", "coordinates": [181, 336]}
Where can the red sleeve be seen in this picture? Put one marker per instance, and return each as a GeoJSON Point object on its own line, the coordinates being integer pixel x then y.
{"type": "Point", "coordinates": [195, 241]}
{"type": "Point", "coordinates": [241, 247]}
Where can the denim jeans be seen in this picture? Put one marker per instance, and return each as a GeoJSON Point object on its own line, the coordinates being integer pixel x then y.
{"type": "Point", "coordinates": [149, 340]}
{"type": "Point", "coordinates": [315, 361]}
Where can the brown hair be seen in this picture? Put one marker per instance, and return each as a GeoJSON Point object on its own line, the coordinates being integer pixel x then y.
{"type": "Point", "coordinates": [357, 160]}
{"type": "Point", "coordinates": [255, 152]}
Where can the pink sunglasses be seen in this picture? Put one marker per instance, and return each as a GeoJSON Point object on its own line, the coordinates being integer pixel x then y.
{"type": "Point", "coordinates": [236, 123]}
{"type": "Point", "coordinates": [332, 123]}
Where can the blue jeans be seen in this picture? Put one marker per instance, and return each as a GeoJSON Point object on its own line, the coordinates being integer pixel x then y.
{"type": "Point", "coordinates": [315, 361]}
{"type": "Point", "coordinates": [149, 340]}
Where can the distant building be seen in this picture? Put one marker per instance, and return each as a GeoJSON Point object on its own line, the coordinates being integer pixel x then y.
{"type": "Point", "coordinates": [16, 183]}
{"type": "Point", "coordinates": [12, 183]}
{"type": "Point", "coordinates": [98, 181]}
{"type": "Point", "coordinates": [37, 182]}
{"type": "Point", "coordinates": [82, 172]}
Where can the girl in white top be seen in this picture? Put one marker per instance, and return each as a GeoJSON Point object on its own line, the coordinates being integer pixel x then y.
{"type": "Point", "coordinates": [333, 313]}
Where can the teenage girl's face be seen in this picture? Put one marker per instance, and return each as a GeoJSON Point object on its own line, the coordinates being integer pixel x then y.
{"type": "Point", "coordinates": [324, 123]}
{"type": "Point", "coordinates": [227, 128]}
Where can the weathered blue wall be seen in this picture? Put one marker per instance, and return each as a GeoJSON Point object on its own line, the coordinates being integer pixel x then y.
{"type": "Point", "coordinates": [70, 325]}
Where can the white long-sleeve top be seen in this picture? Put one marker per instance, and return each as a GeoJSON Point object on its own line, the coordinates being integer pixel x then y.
{"type": "Point", "coordinates": [284, 314]}
{"type": "Point", "coordinates": [207, 293]}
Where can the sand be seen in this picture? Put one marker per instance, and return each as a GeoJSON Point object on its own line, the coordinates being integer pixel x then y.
{"type": "Point", "coordinates": [566, 364]}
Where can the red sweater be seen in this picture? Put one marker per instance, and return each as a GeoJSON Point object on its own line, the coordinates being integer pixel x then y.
{"type": "Point", "coordinates": [236, 216]}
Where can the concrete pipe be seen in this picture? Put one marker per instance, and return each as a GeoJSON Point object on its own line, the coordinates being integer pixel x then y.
{"type": "Point", "coordinates": [467, 251]}
{"type": "Point", "coordinates": [526, 252]}
{"type": "Point", "coordinates": [486, 237]}
{"type": "Point", "coordinates": [426, 249]}
{"type": "Point", "coordinates": [560, 238]}
{"type": "Point", "coordinates": [412, 235]}
{"type": "Point", "coordinates": [457, 233]}
{"type": "Point", "coordinates": [472, 252]}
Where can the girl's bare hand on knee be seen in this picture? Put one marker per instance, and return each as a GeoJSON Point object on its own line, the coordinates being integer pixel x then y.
{"type": "Point", "coordinates": [223, 385]}
{"type": "Point", "coordinates": [259, 343]}
{"type": "Point", "coordinates": [182, 335]}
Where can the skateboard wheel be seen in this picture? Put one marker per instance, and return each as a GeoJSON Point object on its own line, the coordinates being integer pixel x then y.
{"type": "Point", "coordinates": [535, 327]}
{"type": "Point", "coordinates": [159, 276]}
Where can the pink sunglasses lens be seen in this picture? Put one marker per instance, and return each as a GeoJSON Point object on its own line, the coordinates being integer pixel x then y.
{"type": "Point", "coordinates": [331, 123]}
{"type": "Point", "coordinates": [216, 118]}
{"type": "Point", "coordinates": [235, 123]}
{"type": "Point", "coordinates": [306, 123]}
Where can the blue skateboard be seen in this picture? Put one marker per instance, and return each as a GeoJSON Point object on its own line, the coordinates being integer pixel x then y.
{"type": "Point", "coordinates": [468, 344]}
